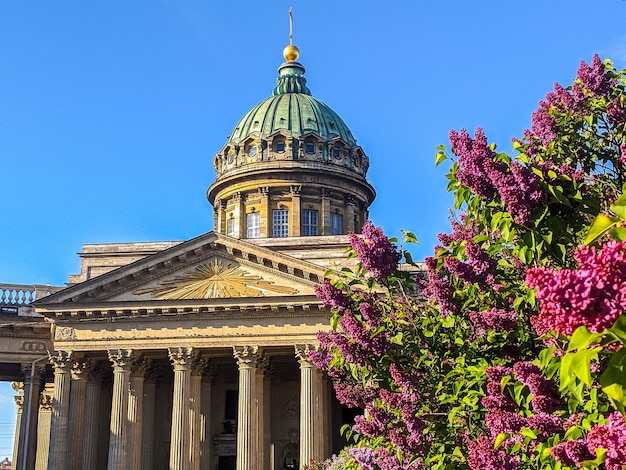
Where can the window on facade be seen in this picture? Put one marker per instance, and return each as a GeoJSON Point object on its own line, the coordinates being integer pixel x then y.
{"type": "Point", "coordinates": [253, 220]}
{"type": "Point", "coordinates": [280, 223]}
{"type": "Point", "coordinates": [309, 223]}
{"type": "Point", "coordinates": [336, 152]}
{"type": "Point", "coordinates": [336, 224]}
{"type": "Point", "coordinates": [309, 148]}
{"type": "Point", "coordinates": [230, 227]}
{"type": "Point", "coordinates": [279, 146]}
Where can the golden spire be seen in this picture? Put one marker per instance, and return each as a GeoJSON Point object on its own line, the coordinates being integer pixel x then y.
{"type": "Point", "coordinates": [291, 52]}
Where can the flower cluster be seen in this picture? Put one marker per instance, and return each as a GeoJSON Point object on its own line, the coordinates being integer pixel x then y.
{"type": "Point", "coordinates": [375, 252]}
{"type": "Point", "coordinates": [364, 456]}
{"type": "Point", "coordinates": [612, 437]}
{"type": "Point", "coordinates": [483, 456]}
{"type": "Point", "coordinates": [593, 295]}
{"type": "Point", "coordinates": [517, 186]}
{"type": "Point", "coordinates": [494, 319]}
{"type": "Point", "coordinates": [594, 78]}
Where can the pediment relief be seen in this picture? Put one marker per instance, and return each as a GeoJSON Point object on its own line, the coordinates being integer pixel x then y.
{"type": "Point", "coordinates": [216, 279]}
{"type": "Point", "coordinates": [211, 266]}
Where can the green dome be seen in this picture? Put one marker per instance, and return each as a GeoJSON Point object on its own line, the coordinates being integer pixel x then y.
{"type": "Point", "coordinates": [293, 110]}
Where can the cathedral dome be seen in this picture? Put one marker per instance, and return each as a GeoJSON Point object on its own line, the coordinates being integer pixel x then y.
{"type": "Point", "coordinates": [292, 109]}
{"type": "Point", "coordinates": [290, 145]}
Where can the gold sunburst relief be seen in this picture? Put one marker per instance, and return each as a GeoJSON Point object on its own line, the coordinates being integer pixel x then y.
{"type": "Point", "coordinates": [216, 279]}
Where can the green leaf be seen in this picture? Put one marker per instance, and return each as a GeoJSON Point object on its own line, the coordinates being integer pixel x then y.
{"type": "Point", "coordinates": [601, 457]}
{"type": "Point", "coordinates": [409, 237]}
{"type": "Point", "coordinates": [440, 158]}
{"type": "Point", "coordinates": [618, 330]}
{"type": "Point", "coordinates": [397, 338]}
{"type": "Point", "coordinates": [613, 380]}
{"type": "Point", "coordinates": [500, 438]}
{"type": "Point", "coordinates": [582, 337]}
{"type": "Point", "coordinates": [528, 433]}
{"type": "Point", "coordinates": [581, 364]}
{"type": "Point", "coordinates": [600, 226]}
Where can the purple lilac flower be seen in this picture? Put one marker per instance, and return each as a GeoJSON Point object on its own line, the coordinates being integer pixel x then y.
{"type": "Point", "coordinates": [375, 252]}
{"type": "Point", "coordinates": [612, 437]}
{"type": "Point", "coordinates": [482, 456]}
{"type": "Point", "coordinates": [365, 457]}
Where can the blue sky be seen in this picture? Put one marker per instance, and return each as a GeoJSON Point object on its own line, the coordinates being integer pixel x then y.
{"type": "Point", "coordinates": [111, 111]}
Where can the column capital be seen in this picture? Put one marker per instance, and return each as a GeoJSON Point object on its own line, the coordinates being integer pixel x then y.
{"type": "Point", "coordinates": [140, 366]}
{"type": "Point", "coordinates": [153, 373]}
{"type": "Point", "coordinates": [264, 191]}
{"type": "Point", "coordinates": [81, 369]}
{"type": "Point", "coordinates": [302, 354]}
{"type": "Point", "coordinates": [60, 360]}
{"type": "Point", "coordinates": [247, 356]}
{"type": "Point", "coordinates": [19, 402]}
{"type": "Point", "coordinates": [120, 358]}
{"type": "Point", "coordinates": [325, 192]}
{"type": "Point", "coordinates": [45, 401]}
{"type": "Point", "coordinates": [295, 189]}
{"type": "Point", "coordinates": [181, 358]}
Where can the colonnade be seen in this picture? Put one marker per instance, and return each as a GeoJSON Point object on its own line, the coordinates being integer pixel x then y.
{"type": "Point", "coordinates": [75, 438]}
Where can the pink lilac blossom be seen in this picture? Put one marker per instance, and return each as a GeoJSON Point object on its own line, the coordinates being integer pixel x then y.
{"type": "Point", "coordinates": [571, 452]}
{"type": "Point", "coordinates": [439, 288]}
{"type": "Point", "coordinates": [494, 319]}
{"type": "Point", "coordinates": [593, 295]}
{"type": "Point", "coordinates": [375, 252]}
{"type": "Point", "coordinates": [545, 424]}
{"type": "Point", "coordinates": [365, 457]}
{"type": "Point", "coordinates": [594, 77]}
{"type": "Point", "coordinates": [622, 149]}
{"type": "Point", "coordinates": [483, 456]}
{"type": "Point", "coordinates": [612, 437]}
{"type": "Point", "coordinates": [332, 296]}
{"type": "Point", "coordinates": [473, 153]}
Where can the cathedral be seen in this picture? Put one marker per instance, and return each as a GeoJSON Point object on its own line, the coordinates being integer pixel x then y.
{"type": "Point", "coordinates": [194, 355]}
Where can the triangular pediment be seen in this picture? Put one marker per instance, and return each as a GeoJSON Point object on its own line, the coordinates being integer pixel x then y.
{"type": "Point", "coordinates": [212, 268]}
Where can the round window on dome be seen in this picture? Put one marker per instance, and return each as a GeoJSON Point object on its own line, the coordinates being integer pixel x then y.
{"type": "Point", "coordinates": [309, 147]}
{"type": "Point", "coordinates": [279, 146]}
{"type": "Point", "coordinates": [252, 150]}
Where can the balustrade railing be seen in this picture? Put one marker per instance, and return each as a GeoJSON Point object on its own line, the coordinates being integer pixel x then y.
{"type": "Point", "coordinates": [24, 294]}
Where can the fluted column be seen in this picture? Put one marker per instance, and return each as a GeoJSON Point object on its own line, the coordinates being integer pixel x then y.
{"type": "Point", "coordinates": [78, 388]}
{"type": "Point", "coordinates": [135, 412]}
{"type": "Point", "coordinates": [308, 400]}
{"type": "Point", "coordinates": [121, 360]}
{"type": "Point", "coordinates": [195, 403]}
{"type": "Point", "coordinates": [206, 445]}
{"type": "Point", "coordinates": [262, 412]}
{"type": "Point", "coordinates": [149, 392]}
{"type": "Point", "coordinates": [27, 444]}
{"type": "Point", "coordinates": [93, 396]}
{"type": "Point", "coordinates": [294, 217]}
{"type": "Point", "coordinates": [247, 360]}
{"type": "Point", "coordinates": [182, 359]}
{"type": "Point", "coordinates": [19, 404]}
{"type": "Point", "coordinates": [43, 428]}
{"type": "Point", "coordinates": [58, 455]}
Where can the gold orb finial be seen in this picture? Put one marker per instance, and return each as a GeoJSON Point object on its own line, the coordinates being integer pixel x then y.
{"type": "Point", "coordinates": [291, 53]}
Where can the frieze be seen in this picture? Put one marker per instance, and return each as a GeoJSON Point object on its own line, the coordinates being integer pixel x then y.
{"type": "Point", "coordinates": [65, 333]}
{"type": "Point", "coordinates": [34, 346]}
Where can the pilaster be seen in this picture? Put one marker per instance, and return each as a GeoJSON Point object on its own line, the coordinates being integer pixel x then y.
{"type": "Point", "coordinates": [350, 213]}
{"type": "Point", "coordinates": [19, 405]}
{"type": "Point", "coordinates": [43, 427]}
{"type": "Point", "coordinates": [139, 365]}
{"type": "Point", "coordinates": [264, 210]}
{"type": "Point", "coordinates": [325, 212]}
{"type": "Point", "coordinates": [240, 214]}
{"type": "Point", "coordinates": [309, 423]}
{"type": "Point", "coordinates": [152, 376]}
{"type": "Point", "coordinates": [209, 371]}
{"type": "Point", "coordinates": [93, 403]}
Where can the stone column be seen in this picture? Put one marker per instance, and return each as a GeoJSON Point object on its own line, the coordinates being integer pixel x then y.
{"type": "Point", "coordinates": [295, 215]}
{"type": "Point", "coordinates": [121, 360]}
{"type": "Point", "coordinates": [308, 399]}
{"type": "Point", "coordinates": [350, 213]}
{"type": "Point", "coordinates": [19, 404]}
{"type": "Point", "coordinates": [195, 404]}
{"type": "Point", "coordinates": [220, 216]}
{"type": "Point", "coordinates": [182, 359]}
{"type": "Point", "coordinates": [247, 359]}
{"type": "Point", "coordinates": [58, 455]}
{"type": "Point", "coordinates": [265, 213]}
{"type": "Point", "coordinates": [149, 392]}
{"type": "Point", "coordinates": [93, 396]}
{"type": "Point", "coordinates": [27, 438]}
{"type": "Point", "coordinates": [240, 214]}
{"type": "Point", "coordinates": [209, 371]}
{"type": "Point", "coordinates": [135, 412]}
{"type": "Point", "coordinates": [43, 428]}
{"type": "Point", "coordinates": [324, 223]}
{"type": "Point", "coordinates": [262, 405]}
{"type": "Point", "coordinates": [78, 389]}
